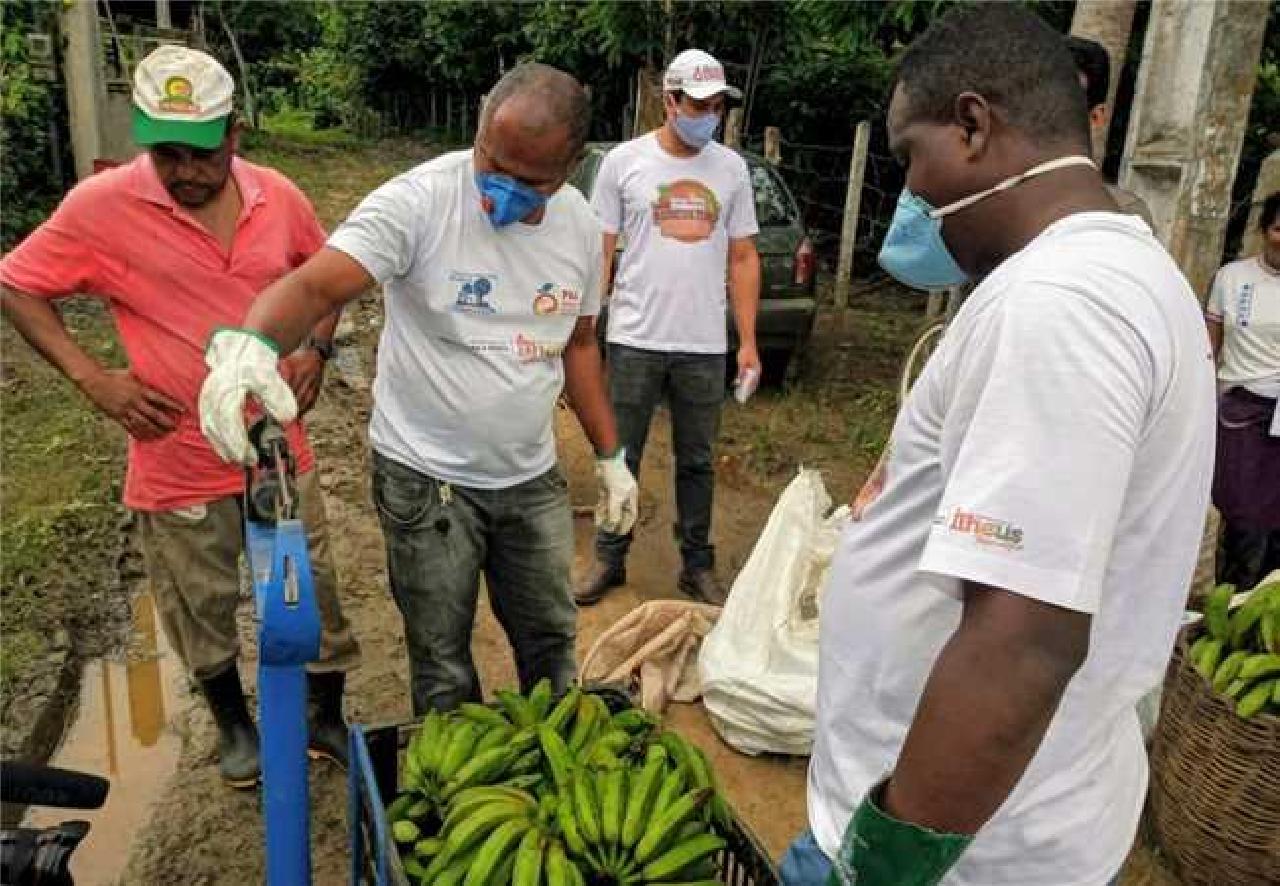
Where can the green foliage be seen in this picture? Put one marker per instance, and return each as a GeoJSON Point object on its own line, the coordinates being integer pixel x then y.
{"type": "Point", "coordinates": [28, 189]}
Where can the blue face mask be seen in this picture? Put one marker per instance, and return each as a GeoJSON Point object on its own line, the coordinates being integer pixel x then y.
{"type": "Point", "coordinates": [914, 252]}
{"type": "Point", "coordinates": [696, 132]}
{"type": "Point", "coordinates": [512, 200]}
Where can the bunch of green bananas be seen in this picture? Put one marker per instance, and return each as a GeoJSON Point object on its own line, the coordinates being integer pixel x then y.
{"type": "Point", "coordinates": [535, 790]}
{"type": "Point", "coordinates": [1239, 653]}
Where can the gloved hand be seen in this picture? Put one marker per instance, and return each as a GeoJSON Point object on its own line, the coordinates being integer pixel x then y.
{"type": "Point", "coordinates": [618, 498]}
{"type": "Point", "coordinates": [241, 362]}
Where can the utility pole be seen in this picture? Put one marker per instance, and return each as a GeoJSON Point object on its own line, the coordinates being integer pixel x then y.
{"type": "Point", "coordinates": [1191, 104]}
{"type": "Point", "coordinates": [86, 91]}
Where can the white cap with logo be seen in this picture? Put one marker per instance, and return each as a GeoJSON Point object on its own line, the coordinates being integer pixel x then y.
{"type": "Point", "coordinates": [181, 95]}
{"type": "Point", "coordinates": [698, 75]}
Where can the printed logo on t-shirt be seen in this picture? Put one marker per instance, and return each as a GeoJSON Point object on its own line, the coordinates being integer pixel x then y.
{"type": "Point", "coordinates": [686, 210]}
{"type": "Point", "coordinates": [552, 299]}
{"type": "Point", "coordinates": [1244, 304]}
{"type": "Point", "coordinates": [985, 530]}
{"type": "Point", "coordinates": [473, 289]}
{"type": "Point", "coordinates": [529, 350]}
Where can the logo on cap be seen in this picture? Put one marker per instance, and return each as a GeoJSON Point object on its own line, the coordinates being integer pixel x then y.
{"type": "Point", "coordinates": [708, 72]}
{"type": "Point", "coordinates": [177, 97]}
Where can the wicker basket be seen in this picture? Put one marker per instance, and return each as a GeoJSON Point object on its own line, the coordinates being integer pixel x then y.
{"type": "Point", "coordinates": [1215, 787]}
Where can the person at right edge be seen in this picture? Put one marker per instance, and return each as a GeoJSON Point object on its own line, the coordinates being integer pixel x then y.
{"type": "Point", "coordinates": [992, 618]}
{"type": "Point", "coordinates": [1243, 315]}
{"type": "Point", "coordinates": [685, 208]}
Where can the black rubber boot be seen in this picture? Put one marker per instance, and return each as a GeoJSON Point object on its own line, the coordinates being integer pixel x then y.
{"type": "Point", "coordinates": [602, 578]}
{"type": "Point", "coordinates": [326, 730]}
{"type": "Point", "coordinates": [701, 585]}
{"type": "Point", "coordinates": [237, 736]}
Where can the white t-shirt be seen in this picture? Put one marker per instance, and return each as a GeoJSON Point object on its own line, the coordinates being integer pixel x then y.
{"type": "Point", "coordinates": [1246, 299]}
{"type": "Point", "coordinates": [677, 215]}
{"type": "Point", "coordinates": [1059, 444]}
{"type": "Point", "coordinates": [477, 318]}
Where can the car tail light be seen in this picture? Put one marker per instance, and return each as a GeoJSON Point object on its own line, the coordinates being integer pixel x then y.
{"type": "Point", "coordinates": [805, 260]}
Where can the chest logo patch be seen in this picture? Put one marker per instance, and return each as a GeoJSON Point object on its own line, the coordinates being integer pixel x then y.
{"type": "Point", "coordinates": [473, 293]}
{"type": "Point", "coordinates": [552, 299]}
{"type": "Point", "coordinates": [686, 210]}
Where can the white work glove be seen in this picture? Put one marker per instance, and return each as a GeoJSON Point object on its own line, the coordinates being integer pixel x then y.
{"type": "Point", "coordinates": [618, 498]}
{"type": "Point", "coordinates": [241, 362]}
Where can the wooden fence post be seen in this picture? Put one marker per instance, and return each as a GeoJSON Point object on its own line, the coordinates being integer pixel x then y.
{"type": "Point", "coordinates": [773, 144]}
{"type": "Point", "coordinates": [852, 206]}
{"type": "Point", "coordinates": [733, 129]}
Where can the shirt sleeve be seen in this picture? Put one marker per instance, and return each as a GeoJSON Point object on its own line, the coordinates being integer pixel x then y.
{"type": "Point", "coordinates": [310, 236]}
{"type": "Point", "coordinates": [384, 231]}
{"type": "Point", "coordinates": [1215, 307]}
{"type": "Point", "coordinates": [606, 195]}
{"type": "Point", "coordinates": [1048, 398]}
{"type": "Point", "coordinates": [58, 259]}
{"type": "Point", "coordinates": [595, 251]}
{"type": "Point", "coordinates": [740, 218]}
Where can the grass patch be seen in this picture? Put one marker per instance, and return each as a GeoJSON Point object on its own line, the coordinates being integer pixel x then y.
{"type": "Point", "coordinates": [59, 493]}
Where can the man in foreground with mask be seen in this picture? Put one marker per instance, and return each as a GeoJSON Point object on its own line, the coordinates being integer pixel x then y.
{"type": "Point", "coordinates": [686, 209]}
{"type": "Point", "coordinates": [491, 275]}
{"type": "Point", "coordinates": [993, 616]}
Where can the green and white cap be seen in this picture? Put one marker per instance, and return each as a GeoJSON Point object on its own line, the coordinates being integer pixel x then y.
{"type": "Point", "coordinates": [181, 95]}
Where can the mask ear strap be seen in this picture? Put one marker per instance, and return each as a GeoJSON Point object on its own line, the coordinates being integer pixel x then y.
{"type": "Point", "coordinates": [1050, 166]}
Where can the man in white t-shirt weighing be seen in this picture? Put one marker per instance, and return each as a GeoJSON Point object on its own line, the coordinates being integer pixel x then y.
{"type": "Point", "coordinates": [684, 205]}
{"type": "Point", "coordinates": [1243, 314]}
{"type": "Point", "coordinates": [994, 616]}
{"type": "Point", "coordinates": [491, 279]}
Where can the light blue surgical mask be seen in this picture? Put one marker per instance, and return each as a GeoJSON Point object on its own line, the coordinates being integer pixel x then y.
{"type": "Point", "coordinates": [511, 200]}
{"type": "Point", "coordinates": [696, 132]}
{"type": "Point", "coordinates": [914, 252]}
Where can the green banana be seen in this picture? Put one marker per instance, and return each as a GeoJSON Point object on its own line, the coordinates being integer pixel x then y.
{"type": "Point", "coordinates": [584, 804]}
{"type": "Point", "coordinates": [1263, 664]}
{"type": "Point", "coordinates": [678, 749]}
{"type": "Point", "coordinates": [583, 723]}
{"type": "Point", "coordinates": [453, 872]}
{"type": "Point", "coordinates": [635, 721]}
{"type": "Point", "coordinates": [460, 809]}
{"type": "Point", "coordinates": [528, 869]}
{"type": "Point", "coordinates": [673, 785]}
{"type": "Point", "coordinates": [660, 830]}
{"type": "Point", "coordinates": [1269, 630]}
{"type": "Point", "coordinates": [1242, 621]}
{"type": "Point", "coordinates": [1228, 670]}
{"type": "Point", "coordinates": [1210, 655]}
{"type": "Point", "coordinates": [540, 699]}
{"type": "Point", "coordinates": [527, 763]}
{"type": "Point", "coordinates": [428, 848]}
{"type": "Point", "coordinates": [462, 740]}
{"type": "Point", "coordinates": [557, 755]}
{"type": "Point", "coordinates": [644, 790]}
{"type": "Point", "coordinates": [677, 859]}
{"type": "Point", "coordinates": [482, 715]}
{"type": "Point", "coordinates": [1216, 611]}
{"type": "Point", "coordinates": [399, 808]}
{"type": "Point", "coordinates": [613, 790]}
{"type": "Point", "coordinates": [481, 769]}
{"type": "Point", "coordinates": [481, 822]}
{"type": "Point", "coordinates": [558, 719]}
{"type": "Point", "coordinates": [494, 737]}
{"type": "Point", "coordinates": [566, 818]}
{"type": "Point", "coordinates": [526, 782]}
{"type": "Point", "coordinates": [496, 848]}
{"type": "Point", "coordinates": [518, 708]}
{"type": "Point", "coordinates": [433, 738]}
{"type": "Point", "coordinates": [1255, 698]}
{"type": "Point", "coordinates": [415, 869]}
{"type": "Point", "coordinates": [1275, 694]}
{"type": "Point", "coordinates": [1235, 688]}
{"type": "Point", "coordinates": [405, 831]}
{"type": "Point", "coordinates": [557, 865]}
{"type": "Point", "coordinates": [602, 759]}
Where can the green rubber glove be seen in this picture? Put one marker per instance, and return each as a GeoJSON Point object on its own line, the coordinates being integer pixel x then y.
{"type": "Point", "coordinates": [879, 850]}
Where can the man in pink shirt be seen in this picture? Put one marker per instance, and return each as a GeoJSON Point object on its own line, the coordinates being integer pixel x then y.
{"type": "Point", "coordinates": [178, 242]}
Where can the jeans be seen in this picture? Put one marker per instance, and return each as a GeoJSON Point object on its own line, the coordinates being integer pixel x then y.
{"type": "Point", "coordinates": [693, 385]}
{"type": "Point", "coordinates": [440, 538]}
{"type": "Point", "coordinates": [805, 864]}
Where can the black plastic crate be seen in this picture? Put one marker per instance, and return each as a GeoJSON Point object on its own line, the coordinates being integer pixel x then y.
{"type": "Point", "coordinates": [373, 777]}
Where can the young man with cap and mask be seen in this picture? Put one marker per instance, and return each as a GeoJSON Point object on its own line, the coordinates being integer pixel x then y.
{"type": "Point", "coordinates": [685, 207]}
{"type": "Point", "coordinates": [993, 616]}
{"type": "Point", "coordinates": [490, 270]}
{"type": "Point", "coordinates": [179, 242]}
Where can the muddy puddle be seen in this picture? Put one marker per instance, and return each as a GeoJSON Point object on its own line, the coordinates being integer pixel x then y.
{"type": "Point", "coordinates": [122, 732]}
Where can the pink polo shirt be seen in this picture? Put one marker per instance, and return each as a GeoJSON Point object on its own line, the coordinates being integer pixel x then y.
{"type": "Point", "coordinates": [169, 283]}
